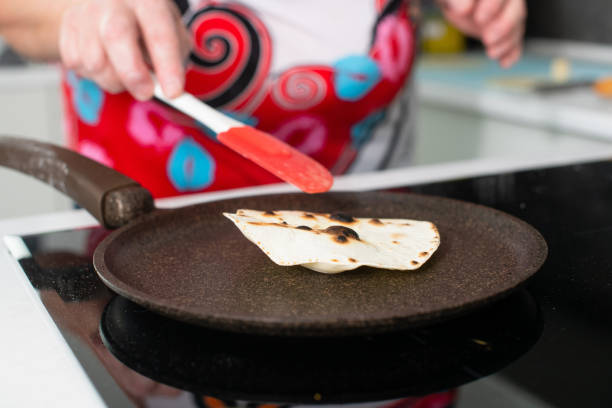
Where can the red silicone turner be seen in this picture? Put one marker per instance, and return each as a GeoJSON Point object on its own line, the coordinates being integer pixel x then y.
{"type": "Point", "coordinates": [267, 151]}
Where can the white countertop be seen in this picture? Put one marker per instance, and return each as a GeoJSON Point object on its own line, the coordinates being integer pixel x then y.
{"type": "Point", "coordinates": [39, 369]}
{"type": "Point", "coordinates": [471, 82]}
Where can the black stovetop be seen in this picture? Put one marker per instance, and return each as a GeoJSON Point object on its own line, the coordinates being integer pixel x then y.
{"type": "Point", "coordinates": [552, 339]}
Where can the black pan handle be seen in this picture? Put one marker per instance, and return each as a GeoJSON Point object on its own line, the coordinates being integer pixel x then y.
{"type": "Point", "coordinates": [111, 197]}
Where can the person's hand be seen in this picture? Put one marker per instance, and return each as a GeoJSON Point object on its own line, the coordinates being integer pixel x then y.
{"type": "Point", "coordinates": [116, 43]}
{"type": "Point", "coordinates": [499, 24]}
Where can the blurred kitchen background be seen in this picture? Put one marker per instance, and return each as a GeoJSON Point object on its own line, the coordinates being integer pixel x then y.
{"type": "Point", "coordinates": [467, 108]}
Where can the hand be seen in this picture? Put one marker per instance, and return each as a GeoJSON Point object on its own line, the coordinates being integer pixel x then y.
{"type": "Point", "coordinates": [112, 42]}
{"type": "Point", "coordinates": [500, 24]}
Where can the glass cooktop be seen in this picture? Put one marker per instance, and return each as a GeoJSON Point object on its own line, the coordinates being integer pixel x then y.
{"type": "Point", "coordinates": [548, 344]}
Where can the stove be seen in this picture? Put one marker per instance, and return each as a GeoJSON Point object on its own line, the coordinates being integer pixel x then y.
{"type": "Point", "coordinates": [548, 344]}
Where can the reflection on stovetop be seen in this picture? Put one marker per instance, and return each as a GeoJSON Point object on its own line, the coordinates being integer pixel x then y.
{"type": "Point", "coordinates": [569, 365]}
{"type": "Point", "coordinates": [349, 369]}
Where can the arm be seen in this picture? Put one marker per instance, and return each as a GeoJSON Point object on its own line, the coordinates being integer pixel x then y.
{"type": "Point", "coordinates": [500, 24]}
{"type": "Point", "coordinates": [116, 43]}
{"type": "Point", "coordinates": [31, 27]}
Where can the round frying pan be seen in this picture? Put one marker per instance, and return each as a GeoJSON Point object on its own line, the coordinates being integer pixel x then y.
{"type": "Point", "coordinates": [194, 265]}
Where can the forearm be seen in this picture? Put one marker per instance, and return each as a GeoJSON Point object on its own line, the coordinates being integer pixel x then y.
{"type": "Point", "coordinates": [31, 27]}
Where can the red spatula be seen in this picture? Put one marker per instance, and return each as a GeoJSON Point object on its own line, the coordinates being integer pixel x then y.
{"type": "Point", "coordinates": [270, 153]}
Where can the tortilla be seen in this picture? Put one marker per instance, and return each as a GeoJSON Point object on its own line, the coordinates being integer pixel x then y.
{"type": "Point", "coordinates": [332, 243]}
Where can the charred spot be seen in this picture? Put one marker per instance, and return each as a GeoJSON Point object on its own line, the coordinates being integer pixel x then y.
{"type": "Point", "coordinates": [284, 222]}
{"type": "Point", "coordinates": [376, 221]}
{"type": "Point", "coordinates": [341, 238]}
{"type": "Point", "coordinates": [352, 260]}
{"type": "Point", "coordinates": [342, 217]}
{"type": "Point", "coordinates": [304, 227]}
{"type": "Point", "coordinates": [424, 253]}
{"type": "Point", "coordinates": [395, 242]}
{"type": "Point", "coordinates": [308, 215]}
{"type": "Point", "coordinates": [406, 224]}
{"type": "Point", "coordinates": [414, 262]}
{"type": "Point", "coordinates": [270, 213]}
{"type": "Point", "coordinates": [268, 224]}
{"type": "Point", "coordinates": [342, 231]}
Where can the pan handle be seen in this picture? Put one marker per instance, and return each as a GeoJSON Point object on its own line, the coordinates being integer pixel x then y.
{"type": "Point", "coordinates": [112, 198]}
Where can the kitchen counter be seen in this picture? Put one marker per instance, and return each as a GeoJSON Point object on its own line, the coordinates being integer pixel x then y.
{"type": "Point", "coordinates": [568, 204]}
{"type": "Point", "coordinates": [473, 83]}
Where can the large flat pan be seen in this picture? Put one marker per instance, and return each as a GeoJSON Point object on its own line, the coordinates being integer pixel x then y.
{"type": "Point", "coordinates": [194, 265]}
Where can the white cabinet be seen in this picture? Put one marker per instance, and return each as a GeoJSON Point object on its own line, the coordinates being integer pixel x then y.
{"type": "Point", "coordinates": [30, 106]}
{"type": "Point", "coordinates": [446, 134]}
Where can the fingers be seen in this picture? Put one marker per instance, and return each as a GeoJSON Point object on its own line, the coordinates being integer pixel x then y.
{"type": "Point", "coordinates": [162, 38]}
{"type": "Point", "coordinates": [108, 80]}
{"type": "Point", "coordinates": [109, 42]}
{"type": "Point", "coordinates": [68, 39]}
{"type": "Point", "coordinates": [511, 57]}
{"type": "Point", "coordinates": [119, 33]}
{"type": "Point", "coordinates": [504, 45]}
{"type": "Point", "coordinates": [459, 7]}
{"type": "Point", "coordinates": [499, 24]}
{"type": "Point", "coordinates": [502, 35]}
{"type": "Point", "coordinates": [486, 10]}
{"type": "Point", "coordinates": [511, 16]}
{"type": "Point", "coordinates": [94, 61]}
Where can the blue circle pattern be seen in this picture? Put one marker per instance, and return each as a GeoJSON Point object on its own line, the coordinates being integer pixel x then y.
{"type": "Point", "coordinates": [355, 76]}
{"type": "Point", "coordinates": [87, 98]}
{"type": "Point", "coordinates": [190, 167]}
{"type": "Point", "coordinates": [361, 131]}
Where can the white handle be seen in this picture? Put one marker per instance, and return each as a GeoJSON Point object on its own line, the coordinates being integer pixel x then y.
{"type": "Point", "coordinates": [198, 110]}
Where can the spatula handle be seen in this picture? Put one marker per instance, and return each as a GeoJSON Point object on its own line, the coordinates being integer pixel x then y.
{"type": "Point", "coordinates": [112, 198]}
{"type": "Point", "coordinates": [192, 106]}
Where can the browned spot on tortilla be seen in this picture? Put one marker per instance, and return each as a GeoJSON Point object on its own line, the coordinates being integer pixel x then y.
{"type": "Point", "coordinates": [407, 224]}
{"type": "Point", "coordinates": [304, 227]}
{"type": "Point", "coordinates": [433, 227]}
{"type": "Point", "coordinates": [414, 262]}
{"type": "Point", "coordinates": [341, 239]}
{"type": "Point", "coordinates": [269, 213]}
{"type": "Point", "coordinates": [352, 260]}
{"type": "Point", "coordinates": [268, 224]}
{"type": "Point", "coordinates": [334, 260]}
{"type": "Point", "coordinates": [340, 230]}
{"type": "Point", "coordinates": [284, 222]}
{"type": "Point", "coordinates": [375, 221]}
{"type": "Point", "coordinates": [307, 215]}
{"type": "Point", "coordinates": [342, 217]}
{"type": "Point", "coordinates": [424, 253]}
{"type": "Point", "coordinates": [397, 235]}
{"type": "Point", "coordinates": [395, 242]}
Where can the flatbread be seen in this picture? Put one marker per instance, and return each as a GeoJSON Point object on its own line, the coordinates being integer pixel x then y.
{"type": "Point", "coordinates": [332, 243]}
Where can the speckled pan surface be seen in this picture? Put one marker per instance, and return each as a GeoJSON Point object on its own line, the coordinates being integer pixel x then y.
{"type": "Point", "coordinates": [193, 264]}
